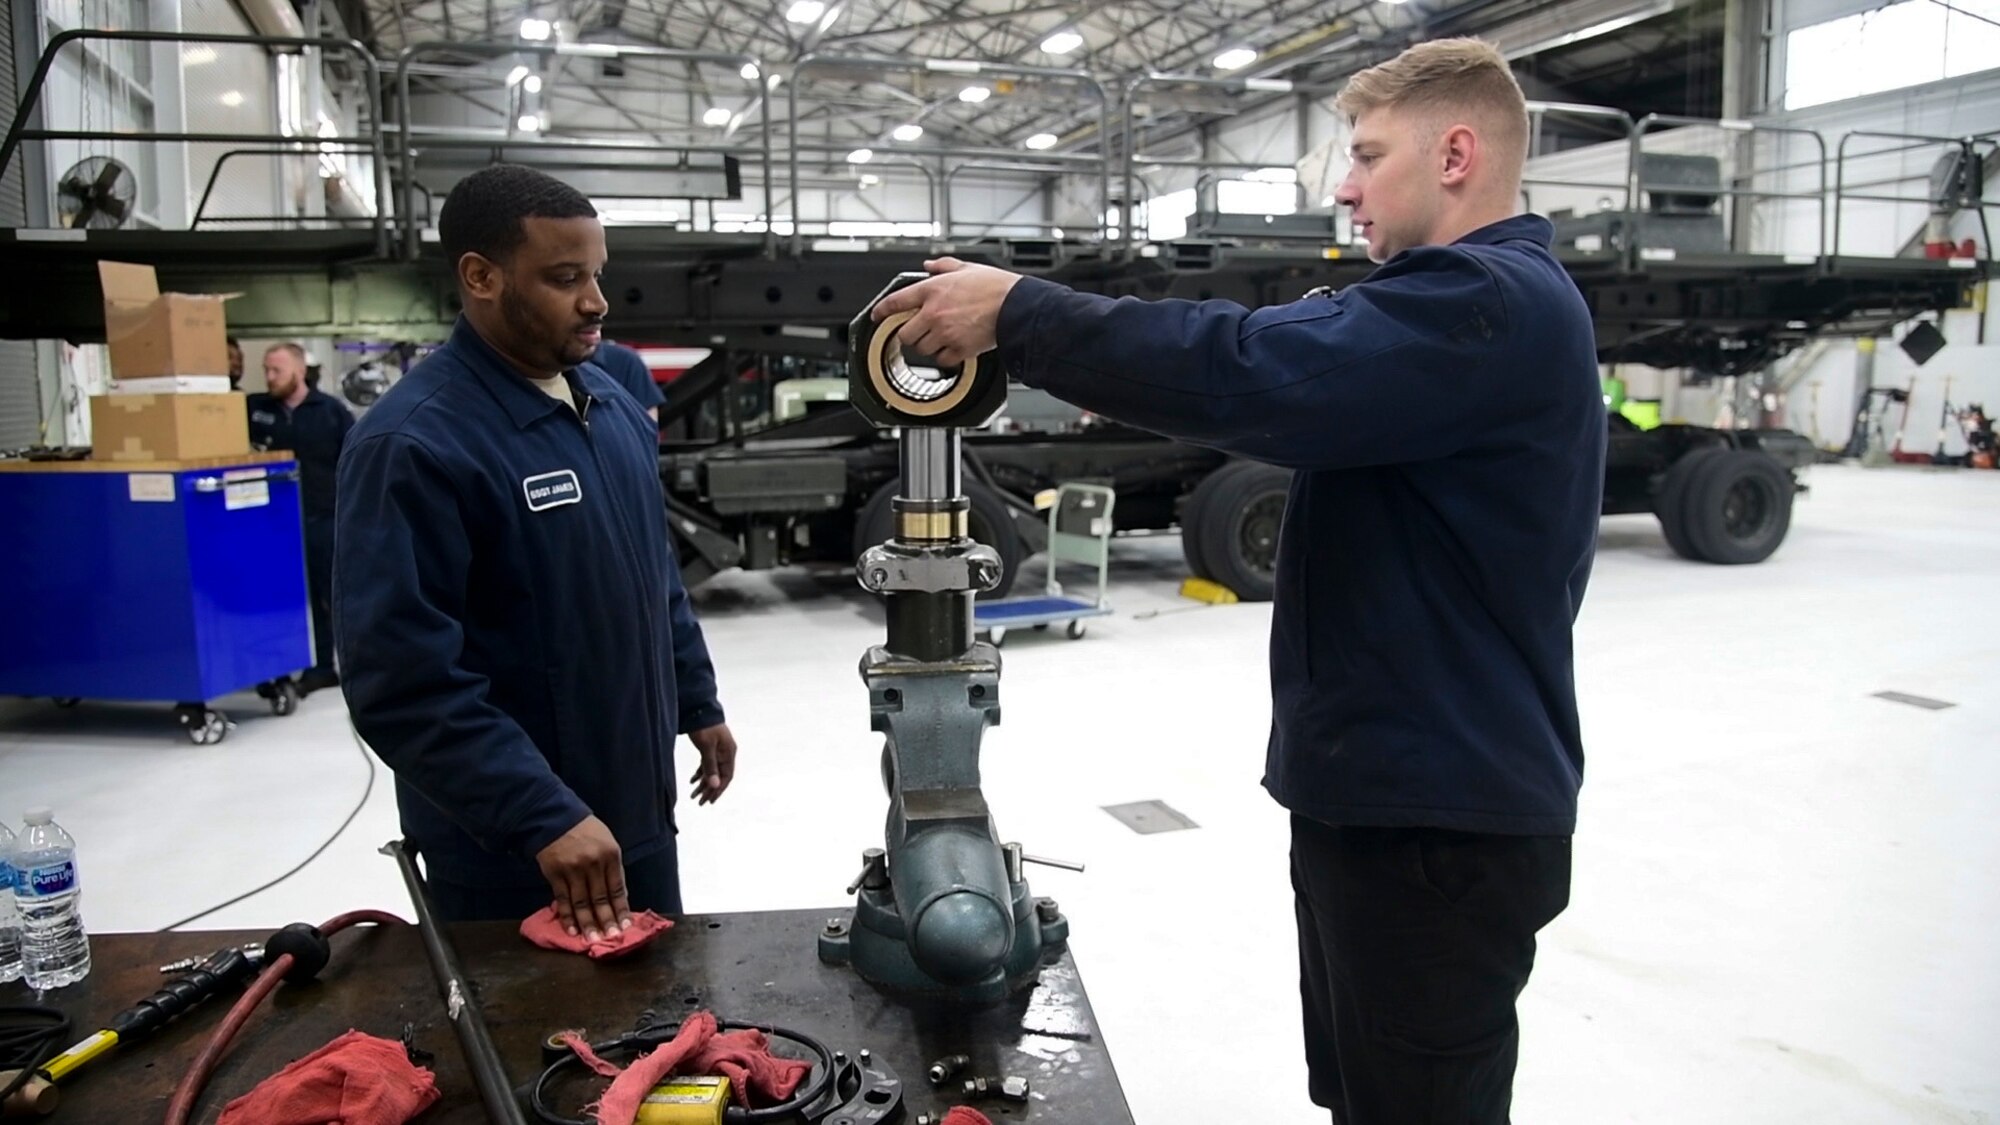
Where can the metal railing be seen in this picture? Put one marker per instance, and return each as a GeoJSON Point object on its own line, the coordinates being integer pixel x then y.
{"type": "Point", "coordinates": [950, 227]}
{"type": "Point", "coordinates": [415, 51]}
{"type": "Point", "coordinates": [1131, 135]}
{"type": "Point", "coordinates": [1734, 125]}
{"type": "Point", "coordinates": [1123, 230]}
{"type": "Point", "coordinates": [1978, 146]}
{"type": "Point", "coordinates": [1540, 111]}
{"type": "Point", "coordinates": [31, 95]}
{"type": "Point", "coordinates": [313, 148]}
{"type": "Point", "coordinates": [969, 69]}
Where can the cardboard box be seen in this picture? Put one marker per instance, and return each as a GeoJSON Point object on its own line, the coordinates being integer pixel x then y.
{"type": "Point", "coordinates": [153, 333]}
{"type": "Point", "coordinates": [167, 427]}
{"type": "Point", "coordinates": [172, 385]}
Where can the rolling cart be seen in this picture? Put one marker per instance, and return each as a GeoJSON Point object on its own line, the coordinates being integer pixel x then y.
{"type": "Point", "coordinates": [1079, 532]}
{"type": "Point", "coordinates": [181, 581]}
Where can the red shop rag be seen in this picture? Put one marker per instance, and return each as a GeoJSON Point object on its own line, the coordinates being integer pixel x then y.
{"type": "Point", "coordinates": [358, 1079]}
{"type": "Point", "coordinates": [965, 1115]}
{"type": "Point", "coordinates": [744, 1057]}
{"type": "Point", "coordinates": [546, 930]}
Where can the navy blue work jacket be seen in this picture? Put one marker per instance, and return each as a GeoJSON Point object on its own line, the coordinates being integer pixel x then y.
{"type": "Point", "coordinates": [315, 431]}
{"type": "Point", "coordinates": [628, 369]}
{"type": "Point", "coordinates": [1447, 425]}
{"type": "Point", "coordinates": [515, 639]}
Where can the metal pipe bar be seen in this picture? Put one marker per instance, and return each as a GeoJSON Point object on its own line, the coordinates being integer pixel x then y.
{"type": "Point", "coordinates": [32, 93]}
{"type": "Point", "coordinates": [461, 1006]}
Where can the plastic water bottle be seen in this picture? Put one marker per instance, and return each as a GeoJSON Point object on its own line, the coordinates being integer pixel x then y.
{"type": "Point", "coordinates": [10, 918]}
{"type": "Point", "coordinates": [55, 950]}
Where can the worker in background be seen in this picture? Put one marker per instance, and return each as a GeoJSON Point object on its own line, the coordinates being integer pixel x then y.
{"type": "Point", "coordinates": [515, 638]}
{"type": "Point", "coordinates": [313, 425]}
{"type": "Point", "coordinates": [235, 363]}
{"type": "Point", "coordinates": [628, 369]}
{"type": "Point", "coordinates": [1447, 430]}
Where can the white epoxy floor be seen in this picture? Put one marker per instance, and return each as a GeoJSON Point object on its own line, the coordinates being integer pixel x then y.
{"type": "Point", "coordinates": [1787, 893]}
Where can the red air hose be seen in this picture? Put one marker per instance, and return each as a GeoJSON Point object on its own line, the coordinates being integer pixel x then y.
{"type": "Point", "coordinates": [181, 1109]}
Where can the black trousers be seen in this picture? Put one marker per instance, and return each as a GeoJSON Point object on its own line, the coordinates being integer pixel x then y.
{"type": "Point", "coordinates": [652, 883]}
{"type": "Point", "coordinates": [319, 587]}
{"type": "Point", "coordinates": [1413, 945]}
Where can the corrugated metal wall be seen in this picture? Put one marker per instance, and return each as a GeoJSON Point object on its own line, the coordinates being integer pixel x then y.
{"type": "Point", "coordinates": [20, 382]}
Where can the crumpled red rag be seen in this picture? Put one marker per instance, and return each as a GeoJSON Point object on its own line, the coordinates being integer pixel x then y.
{"type": "Point", "coordinates": [744, 1057]}
{"type": "Point", "coordinates": [965, 1115]}
{"type": "Point", "coordinates": [358, 1079]}
{"type": "Point", "coordinates": [545, 929]}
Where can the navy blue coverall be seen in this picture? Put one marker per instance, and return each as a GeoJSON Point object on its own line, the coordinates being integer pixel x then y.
{"type": "Point", "coordinates": [514, 635]}
{"type": "Point", "coordinates": [1447, 428]}
{"type": "Point", "coordinates": [628, 369]}
{"type": "Point", "coordinates": [315, 431]}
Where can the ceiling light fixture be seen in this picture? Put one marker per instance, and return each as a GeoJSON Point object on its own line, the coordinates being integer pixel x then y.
{"type": "Point", "coordinates": [1041, 141]}
{"type": "Point", "coordinates": [716, 116]}
{"type": "Point", "coordinates": [1062, 43]}
{"type": "Point", "coordinates": [908, 133]}
{"type": "Point", "coordinates": [804, 11]}
{"type": "Point", "coordinates": [861, 156]}
{"type": "Point", "coordinates": [1236, 58]}
{"type": "Point", "coordinates": [973, 95]}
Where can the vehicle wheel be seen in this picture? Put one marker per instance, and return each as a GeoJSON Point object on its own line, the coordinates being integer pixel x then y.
{"type": "Point", "coordinates": [205, 726]}
{"type": "Point", "coordinates": [989, 521]}
{"type": "Point", "coordinates": [66, 701]}
{"type": "Point", "coordinates": [1076, 630]}
{"type": "Point", "coordinates": [996, 636]}
{"type": "Point", "coordinates": [1739, 508]}
{"type": "Point", "coordinates": [1197, 563]}
{"type": "Point", "coordinates": [1670, 505]}
{"type": "Point", "coordinates": [1238, 512]}
{"type": "Point", "coordinates": [1042, 628]}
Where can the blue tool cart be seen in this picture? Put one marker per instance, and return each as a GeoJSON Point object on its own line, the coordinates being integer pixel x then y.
{"type": "Point", "coordinates": [1079, 532]}
{"type": "Point", "coordinates": [180, 581]}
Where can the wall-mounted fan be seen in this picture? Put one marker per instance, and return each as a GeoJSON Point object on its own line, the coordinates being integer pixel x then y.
{"type": "Point", "coordinates": [96, 194]}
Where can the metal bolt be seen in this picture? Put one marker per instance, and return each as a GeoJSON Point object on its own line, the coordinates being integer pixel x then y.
{"type": "Point", "coordinates": [947, 1068]}
{"type": "Point", "coordinates": [877, 577]}
{"type": "Point", "coordinates": [1013, 1087]}
{"type": "Point", "coordinates": [1047, 910]}
{"type": "Point", "coordinates": [835, 925]}
{"type": "Point", "coordinates": [867, 1056]}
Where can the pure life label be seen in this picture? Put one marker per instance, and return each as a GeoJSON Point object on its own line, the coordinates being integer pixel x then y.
{"type": "Point", "coordinates": [552, 490]}
{"type": "Point", "coordinates": [55, 879]}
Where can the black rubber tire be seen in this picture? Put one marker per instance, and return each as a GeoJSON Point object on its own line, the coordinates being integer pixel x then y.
{"type": "Point", "coordinates": [1739, 507]}
{"type": "Point", "coordinates": [1076, 630]}
{"type": "Point", "coordinates": [1197, 563]}
{"type": "Point", "coordinates": [1671, 503]}
{"type": "Point", "coordinates": [990, 522]}
{"type": "Point", "coordinates": [1238, 512]}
